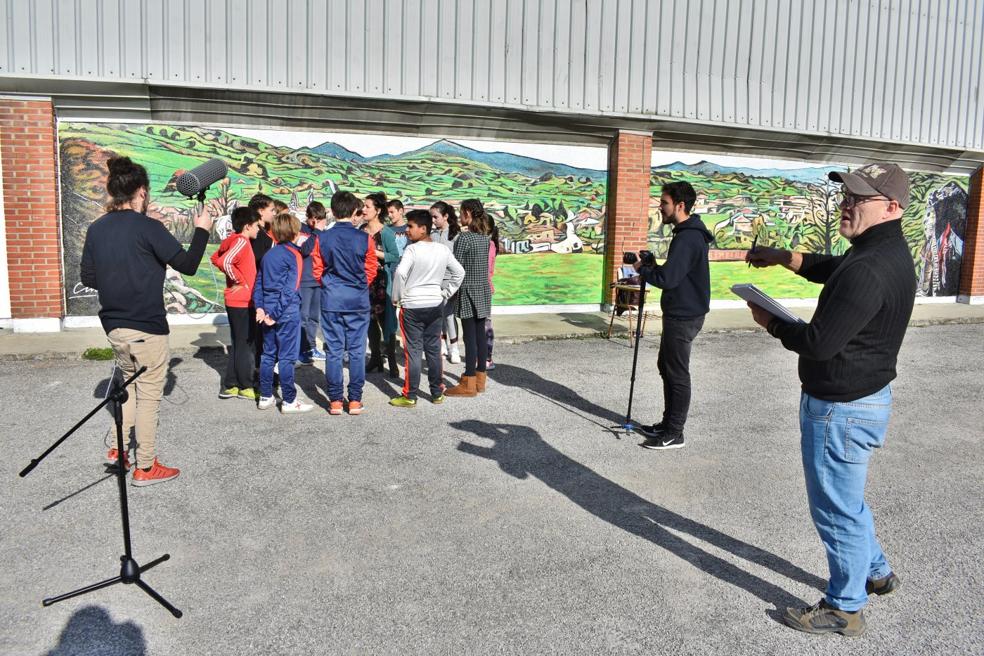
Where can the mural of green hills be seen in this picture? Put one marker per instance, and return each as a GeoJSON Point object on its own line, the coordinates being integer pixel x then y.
{"type": "Point", "coordinates": [539, 207]}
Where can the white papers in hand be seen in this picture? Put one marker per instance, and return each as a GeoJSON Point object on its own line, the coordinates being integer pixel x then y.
{"type": "Point", "coordinates": [753, 294]}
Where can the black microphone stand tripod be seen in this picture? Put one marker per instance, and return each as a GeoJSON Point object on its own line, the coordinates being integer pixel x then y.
{"type": "Point", "coordinates": [130, 571]}
{"type": "Point", "coordinates": [629, 426]}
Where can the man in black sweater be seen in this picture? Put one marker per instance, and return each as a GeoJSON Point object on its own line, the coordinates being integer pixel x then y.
{"type": "Point", "coordinates": [124, 257]}
{"type": "Point", "coordinates": [848, 354]}
{"type": "Point", "coordinates": [686, 283]}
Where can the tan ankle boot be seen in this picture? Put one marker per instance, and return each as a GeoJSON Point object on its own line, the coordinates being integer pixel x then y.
{"type": "Point", "coordinates": [480, 381]}
{"type": "Point", "coordinates": [465, 388]}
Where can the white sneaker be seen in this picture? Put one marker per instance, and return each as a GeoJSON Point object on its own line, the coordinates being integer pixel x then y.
{"type": "Point", "coordinates": [455, 355]}
{"type": "Point", "coordinates": [266, 402]}
{"type": "Point", "coordinates": [296, 406]}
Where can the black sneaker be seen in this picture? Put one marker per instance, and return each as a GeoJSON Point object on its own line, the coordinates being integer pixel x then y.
{"type": "Point", "coordinates": [651, 431]}
{"type": "Point", "coordinates": [663, 441]}
{"type": "Point", "coordinates": [884, 586]}
{"type": "Point", "coordinates": [824, 618]}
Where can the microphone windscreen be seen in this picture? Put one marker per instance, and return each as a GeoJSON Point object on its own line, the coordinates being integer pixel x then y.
{"type": "Point", "coordinates": [201, 177]}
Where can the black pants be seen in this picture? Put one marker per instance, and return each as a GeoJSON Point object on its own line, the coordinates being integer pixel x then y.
{"type": "Point", "coordinates": [476, 345]}
{"type": "Point", "coordinates": [376, 346]}
{"type": "Point", "coordinates": [674, 366]}
{"type": "Point", "coordinates": [421, 329]}
{"type": "Point", "coordinates": [239, 368]}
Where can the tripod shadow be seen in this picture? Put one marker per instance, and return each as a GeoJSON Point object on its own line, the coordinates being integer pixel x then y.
{"type": "Point", "coordinates": [560, 395]}
{"type": "Point", "coordinates": [91, 630]}
{"type": "Point", "coordinates": [521, 452]}
{"type": "Point", "coordinates": [110, 473]}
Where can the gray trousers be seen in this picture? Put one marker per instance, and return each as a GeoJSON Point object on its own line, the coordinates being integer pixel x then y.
{"type": "Point", "coordinates": [421, 329]}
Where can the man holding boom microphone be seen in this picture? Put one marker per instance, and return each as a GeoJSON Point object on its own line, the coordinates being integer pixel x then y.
{"type": "Point", "coordinates": [124, 258]}
{"type": "Point", "coordinates": [848, 354]}
{"type": "Point", "coordinates": [686, 283]}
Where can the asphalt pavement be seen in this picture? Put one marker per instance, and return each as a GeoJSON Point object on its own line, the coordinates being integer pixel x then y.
{"type": "Point", "coordinates": [516, 522]}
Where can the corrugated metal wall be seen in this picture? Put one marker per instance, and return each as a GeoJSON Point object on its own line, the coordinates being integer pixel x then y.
{"type": "Point", "coordinates": [905, 71]}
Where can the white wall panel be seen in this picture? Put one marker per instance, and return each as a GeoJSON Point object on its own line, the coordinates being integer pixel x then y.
{"type": "Point", "coordinates": [900, 70]}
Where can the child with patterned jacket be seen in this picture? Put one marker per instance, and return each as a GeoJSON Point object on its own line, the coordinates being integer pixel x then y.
{"type": "Point", "coordinates": [278, 311]}
{"type": "Point", "coordinates": [235, 259]}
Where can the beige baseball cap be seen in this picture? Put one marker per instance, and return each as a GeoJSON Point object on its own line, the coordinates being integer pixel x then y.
{"type": "Point", "coordinates": [878, 179]}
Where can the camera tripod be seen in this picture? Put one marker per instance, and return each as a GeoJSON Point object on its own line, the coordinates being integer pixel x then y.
{"type": "Point", "coordinates": [130, 571]}
{"type": "Point", "coordinates": [628, 426]}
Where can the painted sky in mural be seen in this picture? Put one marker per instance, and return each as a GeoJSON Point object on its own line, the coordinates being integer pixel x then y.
{"type": "Point", "coordinates": [548, 201]}
{"type": "Point", "coordinates": [793, 205]}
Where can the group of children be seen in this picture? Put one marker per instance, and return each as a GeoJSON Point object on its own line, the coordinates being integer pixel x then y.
{"type": "Point", "coordinates": [357, 279]}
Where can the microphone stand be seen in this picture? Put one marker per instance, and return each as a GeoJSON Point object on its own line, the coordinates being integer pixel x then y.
{"type": "Point", "coordinates": [629, 426]}
{"type": "Point", "coordinates": [130, 571]}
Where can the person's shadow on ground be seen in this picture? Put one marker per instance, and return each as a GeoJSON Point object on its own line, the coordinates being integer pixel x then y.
{"type": "Point", "coordinates": [91, 630]}
{"type": "Point", "coordinates": [521, 452]}
{"type": "Point", "coordinates": [561, 395]}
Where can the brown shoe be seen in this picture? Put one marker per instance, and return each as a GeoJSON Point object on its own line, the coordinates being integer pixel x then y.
{"type": "Point", "coordinates": [480, 377]}
{"type": "Point", "coordinates": [824, 618]}
{"type": "Point", "coordinates": [465, 388]}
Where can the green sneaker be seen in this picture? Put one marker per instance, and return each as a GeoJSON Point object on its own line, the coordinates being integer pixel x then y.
{"type": "Point", "coordinates": [403, 402]}
{"type": "Point", "coordinates": [229, 393]}
{"type": "Point", "coordinates": [248, 393]}
{"type": "Point", "coordinates": [437, 399]}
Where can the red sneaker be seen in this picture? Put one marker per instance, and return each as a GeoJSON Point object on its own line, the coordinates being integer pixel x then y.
{"type": "Point", "coordinates": [335, 408]}
{"type": "Point", "coordinates": [111, 459]}
{"type": "Point", "coordinates": [355, 407]}
{"type": "Point", "coordinates": [158, 474]}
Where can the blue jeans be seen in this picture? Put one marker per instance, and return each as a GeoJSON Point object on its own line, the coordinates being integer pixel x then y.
{"type": "Point", "coordinates": [345, 332]}
{"type": "Point", "coordinates": [310, 319]}
{"type": "Point", "coordinates": [837, 442]}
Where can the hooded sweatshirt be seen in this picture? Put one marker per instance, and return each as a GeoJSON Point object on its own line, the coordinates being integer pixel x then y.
{"type": "Point", "coordinates": [235, 258]}
{"type": "Point", "coordinates": [685, 277]}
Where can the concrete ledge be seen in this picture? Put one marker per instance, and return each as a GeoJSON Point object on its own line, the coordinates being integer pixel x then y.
{"type": "Point", "coordinates": [509, 328]}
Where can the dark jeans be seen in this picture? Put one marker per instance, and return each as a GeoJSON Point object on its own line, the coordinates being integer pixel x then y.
{"type": "Point", "coordinates": [310, 318]}
{"type": "Point", "coordinates": [489, 336]}
{"type": "Point", "coordinates": [421, 328]}
{"type": "Point", "coordinates": [674, 367]}
{"type": "Point", "coordinates": [476, 346]}
{"type": "Point", "coordinates": [239, 367]}
{"type": "Point", "coordinates": [376, 346]}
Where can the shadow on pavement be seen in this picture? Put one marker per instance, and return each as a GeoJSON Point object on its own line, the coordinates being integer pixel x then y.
{"type": "Point", "coordinates": [90, 630]}
{"type": "Point", "coordinates": [521, 452]}
{"type": "Point", "coordinates": [560, 395]}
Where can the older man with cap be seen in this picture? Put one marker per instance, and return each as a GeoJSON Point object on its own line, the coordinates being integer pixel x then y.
{"type": "Point", "coordinates": [847, 357]}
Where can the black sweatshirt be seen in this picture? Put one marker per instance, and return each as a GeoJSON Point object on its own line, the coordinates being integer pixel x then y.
{"type": "Point", "coordinates": [124, 257]}
{"type": "Point", "coordinates": [849, 348]}
{"type": "Point", "coordinates": [684, 278]}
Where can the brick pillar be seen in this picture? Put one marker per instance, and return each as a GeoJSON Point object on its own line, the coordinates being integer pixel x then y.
{"type": "Point", "coordinates": [629, 158]}
{"type": "Point", "coordinates": [972, 265]}
{"type": "Point", "coordinates": [30, 192]}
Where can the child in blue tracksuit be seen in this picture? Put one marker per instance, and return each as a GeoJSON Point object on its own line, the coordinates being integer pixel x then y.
{"type": "Point", "coordinates": [349, 258]}
{"type": "Point", "coordinates": [278, 311]}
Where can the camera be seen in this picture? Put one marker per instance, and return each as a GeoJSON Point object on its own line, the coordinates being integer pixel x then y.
{"type": "Point", "coordinates": [646, 257]}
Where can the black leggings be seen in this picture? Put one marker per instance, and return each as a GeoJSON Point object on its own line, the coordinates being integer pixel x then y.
{"type": "Point", "coordinates": [476, 345]}
{"type": "Point", "coordinates": [239, 368]}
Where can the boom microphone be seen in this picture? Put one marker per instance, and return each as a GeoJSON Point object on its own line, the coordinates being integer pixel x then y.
{"type": "Point", "coordinates": [197, 180]}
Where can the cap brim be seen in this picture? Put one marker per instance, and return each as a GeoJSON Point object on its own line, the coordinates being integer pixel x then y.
{"type": "Point", "coordinates": [854, 184]}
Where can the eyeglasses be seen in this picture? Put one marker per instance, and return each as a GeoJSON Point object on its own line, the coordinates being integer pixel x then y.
{"type": "Point", "coordinates": [850, 200]}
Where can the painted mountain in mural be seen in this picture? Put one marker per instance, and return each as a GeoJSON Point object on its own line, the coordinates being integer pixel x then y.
{"type": "Point", "coordinates": [814, 174]}
{"type": "Point", "coordinates": [508, 162]}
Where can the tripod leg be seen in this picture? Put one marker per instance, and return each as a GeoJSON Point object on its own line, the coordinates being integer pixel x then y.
{"type": "Point", "coordinates": [82, 591]}
{"type": "Point", "coordinates": [154, 563]}
{"type": "Point", "coordinates": [159, 599]}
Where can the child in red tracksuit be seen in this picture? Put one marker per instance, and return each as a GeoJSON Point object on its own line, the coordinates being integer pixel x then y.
{"type": "Point", "coordinates": [235, 259]}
